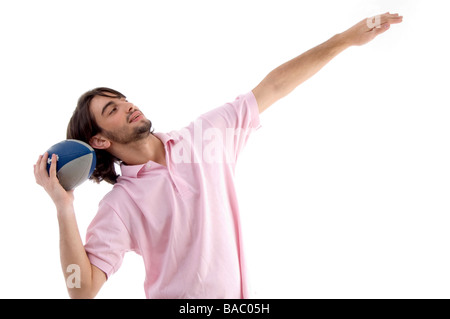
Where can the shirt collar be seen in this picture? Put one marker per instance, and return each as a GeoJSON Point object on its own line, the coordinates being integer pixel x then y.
{"type": "Point", "coordinates": [133, 170]}
{"type": "Point", "coordinates": [164, 137]}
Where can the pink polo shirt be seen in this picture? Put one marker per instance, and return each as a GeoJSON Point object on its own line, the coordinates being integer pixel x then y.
{"type": "Point", "coordinates": [183, 218]}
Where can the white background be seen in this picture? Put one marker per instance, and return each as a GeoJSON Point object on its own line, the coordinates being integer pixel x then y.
{"type": "Point", "coordinates": [344, 191]}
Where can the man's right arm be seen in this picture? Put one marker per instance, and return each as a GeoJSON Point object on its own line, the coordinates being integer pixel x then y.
{"type": "Point", "coordinates": [73, 254]}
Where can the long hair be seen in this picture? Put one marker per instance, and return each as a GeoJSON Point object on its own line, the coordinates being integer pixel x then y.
{"type": "Point", "coordinates": [82, 126]}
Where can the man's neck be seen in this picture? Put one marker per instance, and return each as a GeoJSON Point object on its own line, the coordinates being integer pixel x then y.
{"type": "Point", "coordinates": [150, 148]}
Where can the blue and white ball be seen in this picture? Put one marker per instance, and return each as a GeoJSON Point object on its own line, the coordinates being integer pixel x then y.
{"type": "Point", "coordinates": [76, 162]}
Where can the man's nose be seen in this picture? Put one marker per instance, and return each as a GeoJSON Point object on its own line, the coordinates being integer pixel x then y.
{"type": "Point", "coordinates": [130, 107]}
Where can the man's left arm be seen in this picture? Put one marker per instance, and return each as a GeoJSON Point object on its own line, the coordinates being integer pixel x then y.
{"type": "Point", "coordinates": [284, 79]}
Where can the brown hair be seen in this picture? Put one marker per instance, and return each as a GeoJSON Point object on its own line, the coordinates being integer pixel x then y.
{"type": "Point", "coordinates": [82, 126]}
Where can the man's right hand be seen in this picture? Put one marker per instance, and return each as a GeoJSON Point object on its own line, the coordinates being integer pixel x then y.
{"type": "Point", "coordinates": [50, 182]}
{"type": "Point", "coordinates": [71, 246]}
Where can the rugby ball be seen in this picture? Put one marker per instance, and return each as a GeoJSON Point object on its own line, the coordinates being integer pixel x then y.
{"type": "Point", "coordinates": [75, 162]}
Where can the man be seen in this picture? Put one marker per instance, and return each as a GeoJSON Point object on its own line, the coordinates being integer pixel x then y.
{"type": "Point", "coordinates": [175, 202]}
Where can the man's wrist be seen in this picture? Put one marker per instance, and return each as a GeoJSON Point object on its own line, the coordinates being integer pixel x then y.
{"type": "Point", "coordinates": [64, 209]}
{"type": "Point", "coordinates": [342, 40]}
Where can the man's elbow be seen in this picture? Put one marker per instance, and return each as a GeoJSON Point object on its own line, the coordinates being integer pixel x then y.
{"type": "Point", "coordinates": [266, 94]}
{"type": "Point", "coordinates": [86, 287]}
{"type": "Point", "coordinates": [78, 293]}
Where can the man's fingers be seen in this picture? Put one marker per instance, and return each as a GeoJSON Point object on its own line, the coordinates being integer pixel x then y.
{"type": "Point", "coordinates": [383, 28]}
{"type": "Point", "coordinates": [53, 166]}
{"type": "Point", "coordinates": [37, 167]}
{"type": "Point", "coordinates": [366, 31]}
{"type": "Point", "coordinates": [38, 164]}
{"type": "Point", "coordinates": [391, 18]}
{"type": "Point", "coordinates": [43, 162]}
{"type": "Point", "coordinates": [40, 168]}
{"type": "Point", "coordinates": [395, 20]}
{"type": "Point", "coordinates": [382, 22]}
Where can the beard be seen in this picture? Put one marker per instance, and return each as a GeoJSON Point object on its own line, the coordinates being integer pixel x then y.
{"type": "Point", "coordinates": [140, 132]}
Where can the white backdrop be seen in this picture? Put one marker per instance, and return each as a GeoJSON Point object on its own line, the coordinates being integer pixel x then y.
{"type": "Point", "coordinates": [344, 191]}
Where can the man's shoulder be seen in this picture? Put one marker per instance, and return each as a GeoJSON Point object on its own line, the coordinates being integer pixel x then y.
{"type": "Point", "coordinates": [117, 194]}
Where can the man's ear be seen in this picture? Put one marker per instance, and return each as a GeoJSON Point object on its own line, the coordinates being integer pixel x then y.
{"type": "Point", "coordinates": [99, 142]}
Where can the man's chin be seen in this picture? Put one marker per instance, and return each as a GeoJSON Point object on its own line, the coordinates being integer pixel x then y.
{"type": "Point", "coordinates": [144, 128]}
{"type": "Point", "coordinates": [139, 133]}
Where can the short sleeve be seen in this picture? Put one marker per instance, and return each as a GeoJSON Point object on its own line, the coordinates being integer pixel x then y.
{"type": "Point", "coordinates": [107, 240]}
{"type": "Point", "coordinates": [236, 121]}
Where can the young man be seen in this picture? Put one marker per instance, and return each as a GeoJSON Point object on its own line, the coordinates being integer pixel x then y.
{"type": "Point", "coordinates": [175, 202]}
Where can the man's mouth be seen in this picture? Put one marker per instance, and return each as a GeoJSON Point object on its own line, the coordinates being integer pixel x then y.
{"type": "Point", "coordinates": [136, 116]}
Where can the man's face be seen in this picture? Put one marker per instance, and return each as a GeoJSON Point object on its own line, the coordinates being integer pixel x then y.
{"type": "Point", "coordinates": [121, 121]}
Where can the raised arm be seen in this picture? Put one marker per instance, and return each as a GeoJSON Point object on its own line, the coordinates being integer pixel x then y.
{"type": "Point", "coordinates": [291, 74]}
{"type": "Point", "coordinates": [83, 280]}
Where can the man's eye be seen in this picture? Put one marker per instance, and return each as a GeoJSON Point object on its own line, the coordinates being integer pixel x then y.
{"type": "Point", "coordinates": [113, 110]}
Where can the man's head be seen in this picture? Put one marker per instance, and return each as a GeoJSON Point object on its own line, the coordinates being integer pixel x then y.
{"type": "Point", "coordinates": [104, 117]}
